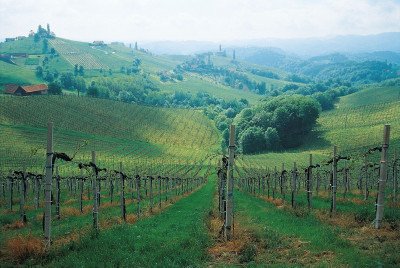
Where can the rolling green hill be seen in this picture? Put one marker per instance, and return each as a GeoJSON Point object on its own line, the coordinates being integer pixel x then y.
{"type": "Point", "coordinates": [108, 61]}
{"type": "Point", "coordinates": [114, 129]}
{"type": "Point", "coordinates": [14, 74]}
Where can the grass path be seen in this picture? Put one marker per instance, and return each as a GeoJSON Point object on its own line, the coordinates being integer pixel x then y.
{"type": "Point", "coordinates": [177, 236]}
{"type": "Point", "coordinates": [322, 243]}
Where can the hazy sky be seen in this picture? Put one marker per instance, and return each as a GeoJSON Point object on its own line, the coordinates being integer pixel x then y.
{"type": "Point", "coordinates": [211, 20]}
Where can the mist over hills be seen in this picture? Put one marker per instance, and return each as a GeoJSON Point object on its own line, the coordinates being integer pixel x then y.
{"type": "Point", "coordinates": [368, 47]}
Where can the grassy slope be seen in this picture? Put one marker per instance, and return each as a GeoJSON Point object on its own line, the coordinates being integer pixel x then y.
{"type": "Point", "coordinates": [26, 45]}
{"type": "Point", "coordinates": [13, 74]}
{"type": "Point", "coordinates": [114, 129]}
{"type": "Point", "coordinates": [372, 95]}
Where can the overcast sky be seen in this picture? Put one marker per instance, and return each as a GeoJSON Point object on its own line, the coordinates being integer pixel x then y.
{"type": "Point", "coordinates": [207, 20]}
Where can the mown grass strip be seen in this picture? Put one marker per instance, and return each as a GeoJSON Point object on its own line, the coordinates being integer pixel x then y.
{"type": "Point", "coordinates": [315, 235]}
{"type": "Point", "coordinates": [177, 236]}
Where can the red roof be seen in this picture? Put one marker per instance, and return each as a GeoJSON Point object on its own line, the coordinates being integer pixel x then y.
{"type": "Point", "coordinates": [35, 88]}
{"type": "Point", "coordinates": [10, 89]}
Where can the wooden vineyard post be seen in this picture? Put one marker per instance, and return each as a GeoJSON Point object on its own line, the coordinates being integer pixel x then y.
{"type": "Point", "coordinates": [81, 192]}
{"type": "Point", "coordinates": [159, 190]}
{"type": "Point", "coordinates": [166, 180]}
{"type": "Point", "coordinates": [395, 185]}
{"type": "Point", "coordinates": [274, 189]}
{"type": "Point", "coordinates": [23, 193]}
{"type": "Point", "coordinates": [309, 184]}
{"type": "Point", "coordinates": [229, 198]}
{"type": "Point", "coordinates": [366, 178]}
{"type": "Point", "coordinates": [283, 183]}
{"type": "Point", "coordinates": [294, 186]}
{"type": "Point", "coordinates": [57, 194]}
{"type": "Point", "coordinates": [49, 177]}
{"type": "Point", "coordinates": [138, 192]}
{"type": "Point", "coordinates": [345, 179]}
{"type": "Point", "coordinates": [95, 202]}
{"type": "Point", "coordinates": [334, 183]}
{"type": "Point", "coordinates": [151, 191]}
{"type": "Point", "coordinates": [382, 177]}
{"type": "Point", "coordinates": [123, 208]}
{"type": "Point", "coordinates": [11, 185]}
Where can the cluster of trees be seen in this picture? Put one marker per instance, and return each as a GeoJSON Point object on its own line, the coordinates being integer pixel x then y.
{"type": "Point", "coordinates": [234, 79]}
{"type": "Point", "coordinates": [326, 93]}
{"type": "Point", "coordinates": [43, 33]}
{"type": "Point", "coordinates": [266, 74]}
{"type": "Point", "coordinates": [279, 123]}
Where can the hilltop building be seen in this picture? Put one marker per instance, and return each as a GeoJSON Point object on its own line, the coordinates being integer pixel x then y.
{"type": "Point", "coordinates": [26, 90]}
{"type": "Point", "coordinates": [97, 43]}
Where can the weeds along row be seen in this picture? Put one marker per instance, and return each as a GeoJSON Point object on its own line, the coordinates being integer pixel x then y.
{"type": "Point", "coordinates": [96, 197]}
{"type": "Point", "coordinates": [310, 181]}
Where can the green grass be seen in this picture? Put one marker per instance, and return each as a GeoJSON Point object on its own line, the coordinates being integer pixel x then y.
{"type": "Point", "coordinates": [26, 45]}
{"type": "Point", "coordinates": [315, 235]}
{"type": "Point", "coordinates": [13, 74]}
{"type": "Point", "coordinates": [176, 237]}
{"type": "Point", "coordinates": [134, 134]}
{"type": "Point", "coordinates": [32, 61]}
{"type": "Point", "coordinates": [367, 96]}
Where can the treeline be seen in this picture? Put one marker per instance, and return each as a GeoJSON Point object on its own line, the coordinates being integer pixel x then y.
{"type": "Point", "coordinates": [223, 76]}
{"type": "Point", "coordinates": [273, 125]}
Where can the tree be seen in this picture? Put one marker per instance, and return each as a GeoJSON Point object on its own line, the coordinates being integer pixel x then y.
{"type": "Point", "coordinates": [272, 141]}
{"type": "Point", "coordinates": [36, 38]}
{"type": "Point", "coordinates": [252, 140]}
{"type": "Point", "coordinates": [136, 47]}
{"type": "Point", "coordinates": [39, 72]}
{"type": "Point", "coordinates": [234, 55]}
{"type": "Point", "coordinates": [54, 89]}
{"type": "Point", "coordinates": [67, 80]}
{"type": "Point", "coordinates": [76, 69]}
{"type": "Point", "coordinates": [49, 77]}
{"type": "Point", "coordinates": [45, 45]}
{"type": "Point", "coordinates": [81, 70]}
{"type": "Point", "coordinates": [92, 91]}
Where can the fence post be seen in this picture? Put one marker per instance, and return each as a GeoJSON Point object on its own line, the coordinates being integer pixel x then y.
{"type": "Point", "coordinates": [49, 176]}
{"type": "Point", "coordinates": [294, 186]}
{"type": "Point", "coordinates": [123, 209]}
{"type": "Point", "coordinates": [382, 177]}
{"type": "Point", "coordinates": [95, 202]}
{"type": "Point", "coordinates": [23, 193]}
{"type": "Point", "coordinates": [138, 192]}
{"type": "Point", "coordinates": [334, 183]}
{"type": "Point", "coordinates": [81, 192]}
{"type": "Point", "coordinates": [309, 184]}
{"type": "Point", "coordinates": [58, 194]}
{"type": "Point", "coordinates": [395, 186]}
{"type": "Point", "coordinates": [229, 198]}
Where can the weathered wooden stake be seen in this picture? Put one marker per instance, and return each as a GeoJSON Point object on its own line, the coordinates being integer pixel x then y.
{"type": "Point", "coordinates": [23, 193]}
{"type": "Point", "coordinates": [123, 208]}
{"type": "Point", "coordinates": [294, 186]}
{"type": "Point", "coordinates": [47, 191]}
{"type": "Point", "coordinates": [11, 185]}
{"type": "Point", "coordinates": [366, 178]}
{"type": "Point", "coordinates": [382, 177]}
{"type": "Point", "coordinates": [334, 183]}
{"type": "Point", "coordinates": [309, 184]}
{"type": "Point", "coordinates": [395, 184]}
{"type": "Point", "coordinates": [229, 203]}
{"type": "Point", "coordinates": [81, 192]}
{"type": "Point", "coordinates": [95, 202]}
{"type": "Point", "coordinates": [58, 194]}
{"type": "Point", "coordinates": [345, 183]}
{"type": "Point", "coordinates": [138, 192]}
